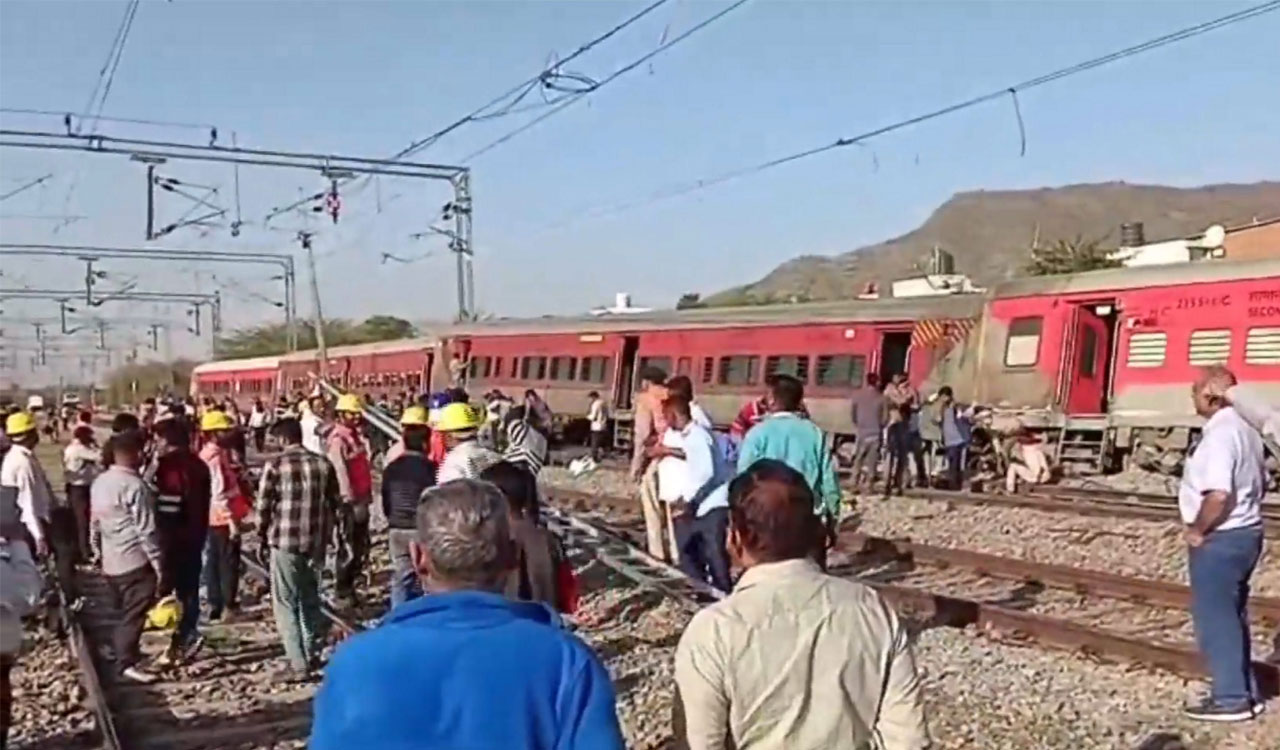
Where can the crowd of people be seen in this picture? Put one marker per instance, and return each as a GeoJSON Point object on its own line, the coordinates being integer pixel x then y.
{"type": "Point", "coordinates": [789, 656]}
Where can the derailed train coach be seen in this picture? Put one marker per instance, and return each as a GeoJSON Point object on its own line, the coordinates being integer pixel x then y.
{"type": "Point", "coordinates": [1100, 363]}
{"type": "Point", "coordinates": [1103, 362]}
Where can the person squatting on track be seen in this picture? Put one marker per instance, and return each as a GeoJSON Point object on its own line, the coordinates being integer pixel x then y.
{"type": "Point", "coordinates": [183, 490]}
{"type": "Point", "coordinates": [132, 559]}
{"type": "Point", "coordinates": [403, 482]}
{"type": "Point", "coordinates": [1219, 498]}
{"type": "Point", "coordinates": [297, 500]}
{"type": "Point", "coordinates": [789, 437]}
{"type": "Point", "coordinates": [81, 463]}
{"type": "Point", "coordinates": [228, 506]}
{"type": "Point", "coordinates": [647, 428]}
{"type": "Point", "coordinates": [793, 658]}
{"type": "Point", "coordinates": [435, 671]}
{"type": "Point", "coordinates": [348, 451]}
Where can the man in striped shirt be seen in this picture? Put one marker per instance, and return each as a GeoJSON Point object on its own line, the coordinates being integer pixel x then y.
{"type": "Point", "coordinates": [298, 499]}
{"type": "Point", "coordinates": [526, 441]}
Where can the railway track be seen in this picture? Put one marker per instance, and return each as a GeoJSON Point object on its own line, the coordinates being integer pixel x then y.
{"type": "Point", "coordinates": [229, 696]}
{"type": "Point", "coordinates": [1001, 594]}
{"type": "Point", "coordinates": [1112, 503]}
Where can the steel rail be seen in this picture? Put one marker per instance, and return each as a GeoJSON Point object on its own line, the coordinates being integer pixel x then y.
{"type": "Point", "coordinates": [1082, 505]}
{"type": "Point", "coordinates": [960, 612]}
{"type": "Point", "coordinates": [1109, 585]}
{"type": "Point", "coordinates": [90, 677]}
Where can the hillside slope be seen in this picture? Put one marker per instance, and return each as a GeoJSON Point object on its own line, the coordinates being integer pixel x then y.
{"type": "Point", "coordinates": [989, 234]}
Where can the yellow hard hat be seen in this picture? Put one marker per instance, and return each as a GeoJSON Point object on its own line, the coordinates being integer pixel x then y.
{"type": "Point", "coordinates": [457, 417]}
{"type": "Point", "coordinates": [350, 402]}
{"type": "Point", "coordinates": [165, 614]}
{"type": "Point", "coordinates": [19, 422]}
{"type": "Point", "coordinates": [215, 419]}
{"type": "Point", "coordinates": [414, 415]}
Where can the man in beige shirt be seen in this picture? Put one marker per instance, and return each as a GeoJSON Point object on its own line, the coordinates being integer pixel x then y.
{"type": "Point", "coordinates": [793, 658]}
{"type": "Point", "coordinates": [650, 424]}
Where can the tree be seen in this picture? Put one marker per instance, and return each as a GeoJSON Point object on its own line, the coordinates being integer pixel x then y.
{"type": "Point", "coordinates": [133, 382]}
{"type": "Point", "coordinates": [1070, 256]}
{"type": "Point", "coordinates": [266, 340]}
{"type": "Point", "coordinates": [688, 300]}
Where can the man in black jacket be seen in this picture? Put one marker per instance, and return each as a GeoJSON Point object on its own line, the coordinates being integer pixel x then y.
{"type": "Point", "coordinates": [403, 482]}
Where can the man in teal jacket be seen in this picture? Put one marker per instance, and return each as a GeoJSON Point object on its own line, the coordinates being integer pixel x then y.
{"type": "Point", "coordinates": [789, 437]}
{"type": "Point", "coordinates": [463, 666]}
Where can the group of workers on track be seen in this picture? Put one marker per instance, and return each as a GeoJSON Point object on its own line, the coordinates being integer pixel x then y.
{"type": "Point", "coordinates": [790, 657]}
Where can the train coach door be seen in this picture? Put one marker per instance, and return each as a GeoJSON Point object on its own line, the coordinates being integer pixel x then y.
{"type": "Point", "coordinates": [625, 378]}
{"type": "Point", "coordinates": [1089, 362]}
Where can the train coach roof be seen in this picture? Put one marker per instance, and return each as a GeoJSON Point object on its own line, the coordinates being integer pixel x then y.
{"type": "Point", "coordinates": [248, 363]}
{"type": "Point", "coordinates": [1140, 277]}
{"type": "Point", "coordinates": [375, 347]}
{"type": "Point", "coordinates": [887, 310]}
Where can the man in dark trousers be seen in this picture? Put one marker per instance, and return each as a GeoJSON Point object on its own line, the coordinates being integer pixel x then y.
{"type": "Point", "coordinates": [183, 492]}
{"type": "Point", "coordinates": [403, 482]}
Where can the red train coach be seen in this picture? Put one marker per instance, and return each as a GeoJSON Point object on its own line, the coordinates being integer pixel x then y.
{"type": "Point", "coordinates": [1104, 360]}
{"type": "Point", "coordinates": [727, 352]}
{"type": "Point", "coordinates": [383, 366]}
{"type": "Point", "coordinates": [240, 379]}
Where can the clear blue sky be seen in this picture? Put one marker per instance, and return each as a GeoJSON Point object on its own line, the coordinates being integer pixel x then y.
{"type": "Point", "coordinates": [772, 77]}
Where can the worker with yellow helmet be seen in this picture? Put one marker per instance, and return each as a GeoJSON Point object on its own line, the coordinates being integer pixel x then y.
{"type": "Point", "coordinates": [348, 451]}
{"type": "Point", "coordinates": [23, 478]}
{"type": "Point", "coordinates": [466, 456]}
{"type": "Point", "coordinates": [229, 504]}
{"type": "Point", "coordinates": [406, 476]}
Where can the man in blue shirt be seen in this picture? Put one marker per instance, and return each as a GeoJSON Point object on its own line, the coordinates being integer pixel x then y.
{"type": "Point", "coordinates": [796, 441]}
{"type": "Point", "coordinates": [463, 666]}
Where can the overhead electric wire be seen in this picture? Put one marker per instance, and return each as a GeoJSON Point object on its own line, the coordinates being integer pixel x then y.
{"type": "Point", "coordinates": [1010, 91]}
{"type": "Point", "coordinates": [26, 186]}
{"type": "Point", "coordinates": [105, 118]}
{"type": "Point", "coordinates": [528, 84]}
{"type": "Point", "coordinates": [573, 97]}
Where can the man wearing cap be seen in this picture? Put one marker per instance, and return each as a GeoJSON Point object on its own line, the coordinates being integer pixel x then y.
{"type": "Point", "coordinates": [22, 476]}
{"type": "Point", "coordinates": [349, 454]}
{"type": "Point", "coordinates": [228, 505]}
{"type": "Point", "coordinates": [404, 480]}
{"type": "Point", "coordinates": [466, 457]}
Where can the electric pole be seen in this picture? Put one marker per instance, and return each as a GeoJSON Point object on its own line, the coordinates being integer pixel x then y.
{"type": "Point", "coordinates": [318, 322]}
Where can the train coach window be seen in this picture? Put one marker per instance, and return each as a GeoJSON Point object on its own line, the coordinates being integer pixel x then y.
{"type": "Point", "coordinates": [1022, 348]}
{"type": "Point", "coordinates": [708, 369]}
{"type": "Point", "coordinates": [515, 366]}
{"type": "Point", "coordinates": [794, 365]}
{"type": "Point", "coordinates": [533, 368]}
{"type": "Point", "coordinates": [739, 369]}
{"type": "Point", "coordinates": [594, 370]}
{"type": "Point", "coordinates": [563, 368]}
{"type": "Point", "coordinates": [684, 366]}
{"type": "Point", "coordinates": [662, 363]}
{"type": "Point", "coordinates": [1262, 346]}
{"type": "Point", "coordinates": [1209, 347]}
{"type": "Point", "coordinates": [840, 370]}
{"type": "Point", "coordinates": [1147, 349]}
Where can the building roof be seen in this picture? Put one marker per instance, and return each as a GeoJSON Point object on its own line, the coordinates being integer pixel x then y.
{"type": "Point", "coordinates": [1138, 277]}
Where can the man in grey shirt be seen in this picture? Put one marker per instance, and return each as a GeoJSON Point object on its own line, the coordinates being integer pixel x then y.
{"type": "Point", "coordinates": [123, 507]}
{"type": "Point", "coordinates": [869, 412]}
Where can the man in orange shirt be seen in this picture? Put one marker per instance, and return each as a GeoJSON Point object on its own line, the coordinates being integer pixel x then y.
{"type": "Point", "coordinates": [649, 426]}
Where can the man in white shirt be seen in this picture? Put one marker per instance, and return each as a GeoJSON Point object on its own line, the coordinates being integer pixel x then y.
{"type": "Point", "coordinates": [81, 460]}
{"type": "Point", "coordinates": [1222, 487]}
{"type": "Point", "coordinates": [23, 477]}
{"type": "Point", "coordinates": [693, 479]}
{"type": "Point", "coordinates": [598, 417]}
{"type": "Point", "coordinates": [312, 425]}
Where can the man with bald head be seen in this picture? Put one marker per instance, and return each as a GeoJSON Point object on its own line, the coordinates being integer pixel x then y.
{"type": "Point", "coordinates": [1219, 499]}
{"type": "Point", "coordinates": [463, 666]}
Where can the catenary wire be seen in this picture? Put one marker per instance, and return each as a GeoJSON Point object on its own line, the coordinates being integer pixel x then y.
{"type": "Point", "coordinates": [685, 188]}
{"type": "Point", "coordinates": [575, 96]}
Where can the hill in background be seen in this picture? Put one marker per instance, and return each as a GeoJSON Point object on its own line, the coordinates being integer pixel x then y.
{"type": "Point", "coordinates": [990, 234]}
